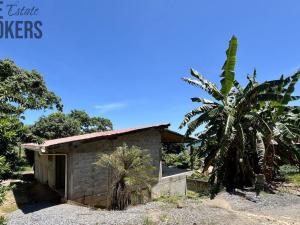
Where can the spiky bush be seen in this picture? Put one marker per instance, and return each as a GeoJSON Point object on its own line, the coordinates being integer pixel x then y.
{"type": "Point", "coordinates": [131, 169]}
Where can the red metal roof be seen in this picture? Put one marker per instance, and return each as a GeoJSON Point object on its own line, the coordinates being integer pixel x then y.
{"type": "Point", "coordinates": [52, 142]}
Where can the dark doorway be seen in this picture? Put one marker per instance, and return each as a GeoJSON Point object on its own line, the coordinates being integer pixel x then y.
{"type": "Point", "coordinates": [60, 166]}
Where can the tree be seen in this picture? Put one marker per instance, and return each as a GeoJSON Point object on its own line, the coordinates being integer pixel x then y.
{"type": "Point", "coordinates": [59, 125]}
{"type": "Point", "coordinates": [55, 125]}
{"type": "Point", "coordinates": [131, 171]}
{"type": "Point", "coordinates": [236, 134]}
{"type": "Point", "coordinates": [20, 90]}
{"type": "Point", "coordinates": [91, 124]}
{"type": "Point", "coordinates": [4, 169]}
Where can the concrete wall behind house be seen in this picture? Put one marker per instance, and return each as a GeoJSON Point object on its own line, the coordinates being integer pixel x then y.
{"type": "Point", "coordinates": [171, 185]}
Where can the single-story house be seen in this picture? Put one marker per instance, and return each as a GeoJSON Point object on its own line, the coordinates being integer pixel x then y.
{"type": "Point", "coordinates": [67, 165]}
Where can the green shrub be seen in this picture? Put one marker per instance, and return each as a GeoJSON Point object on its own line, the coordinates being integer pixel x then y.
{"type": "Point", "coordinates": [170, 199]}
{"type": "Point", "coordinates": [4, 168]}
{"type": "Point", "coordinates": [288, 169]}
{"type": "Point", "coordinates": [3, 220]}
{"type": "Point", "coordinates": [181, 160]}
{"type": "Point", "coordinates": [199, 176]}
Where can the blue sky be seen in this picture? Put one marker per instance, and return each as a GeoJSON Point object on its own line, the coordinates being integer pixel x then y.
{"type": "Point", "coordinates": [123, 59]}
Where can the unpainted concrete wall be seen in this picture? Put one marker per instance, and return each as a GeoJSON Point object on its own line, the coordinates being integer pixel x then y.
{"type": "Point", "coordinates": [171, 185]}
{"type": "Point", "coordinates": [89, 183]}
{"type": "Point", "coordinates": [44, 167]}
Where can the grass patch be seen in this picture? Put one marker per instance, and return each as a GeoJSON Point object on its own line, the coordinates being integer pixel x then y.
{"type": "Point", "coordinates": [3, 220]}
{"type": "Point", "coordinates": [197, 195]}
{"type": "Point", "coordinates": [294, 178]}
{"type": "Point", "coordinates": [174, 199]}
{"type": "Point", "coordinates": [199, 176]}
{"type": "Point", "coordinates": [178, 199]}
{"type": "Point", "coordinates": [163, 218]}
{"type": "Point", "coordinates": [149, 221]}
{"type": "Point", "coordinates": [291, 174]}
{"type": "Point", "coordinates": [8, 209]}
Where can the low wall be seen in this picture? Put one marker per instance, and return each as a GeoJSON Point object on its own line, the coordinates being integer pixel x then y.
{"type": "Point", "coordinates": [170, 185]}
{"type": "Point", "coordinates": [197, 185]}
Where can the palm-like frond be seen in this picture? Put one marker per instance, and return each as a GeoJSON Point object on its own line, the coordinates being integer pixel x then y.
{"type": "Point", "coordinates": [199, 110]}
{"type": "Point", "coordinates": [202, 100]}
{"type": "Point", "coordinates": [228, 67]}
{"type": "Point", "coordinates": [205, 117]}
{"type": "Point", "coordinates": [206, 85]}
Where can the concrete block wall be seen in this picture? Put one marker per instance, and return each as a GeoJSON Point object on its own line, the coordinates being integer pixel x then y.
{"type": "Point", "coordinates": [41, 168]}
{"type": "Point", "coordinates": [89, 183]}
{"type": "Point", "coordinates": [171, 185]}
{"type": "Point", "coordinates": [44, 167]}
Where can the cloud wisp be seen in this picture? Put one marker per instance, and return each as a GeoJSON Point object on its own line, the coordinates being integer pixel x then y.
{"type": "Point", "coordinates": [111, 107]}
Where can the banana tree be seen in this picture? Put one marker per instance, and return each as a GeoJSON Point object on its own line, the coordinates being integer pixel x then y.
{"type": "Point", "coordinates": [235, 134]}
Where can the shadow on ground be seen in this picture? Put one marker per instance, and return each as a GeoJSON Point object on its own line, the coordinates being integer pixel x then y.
{"type": "Point", "coordinates": [27, 192]}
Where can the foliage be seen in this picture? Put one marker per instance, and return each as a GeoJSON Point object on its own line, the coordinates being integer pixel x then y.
{"type": "Point", "coordinates": [131, 171]}
{"type": "Point", "coordinates": [294, 178]}
{"type": "Point", "coordinates": [170, 199]}
{"type": "Point", "coordinates": [11, 130]}
{"type": "Point", "coordinates": [21, 90]}
{"type": "Point", "coordinates": [288, 169]}
{"type": "Point", "coordinates": [3, 220]}
{"type": "Point", "coordinates": [241, 124]}
{"type": "Point", "coordinates": [58, 125]}
{"type": "Point", "coordinates": [4, 168]}
{"type": "Point", "coordinates": [199, 176]}
{"type": "Point", "coordinates": [181, 160]}
{"type": "Point", "coordinates": [149, 221]}
{"type": "Point", "coordinates": [291, 174]}
{"type": "Point", "coordinates": [90, 124]}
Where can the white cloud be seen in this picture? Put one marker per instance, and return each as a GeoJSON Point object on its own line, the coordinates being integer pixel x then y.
{"type": "Point", "coordinates": [111, 107]}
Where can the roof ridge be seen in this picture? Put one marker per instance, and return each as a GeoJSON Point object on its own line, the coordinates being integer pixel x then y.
{"type": "Point", "coordinates": [87, 136]}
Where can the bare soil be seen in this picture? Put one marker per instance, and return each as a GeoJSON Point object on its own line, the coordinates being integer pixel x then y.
{"type": "Point", "coordinates": [35, 204]}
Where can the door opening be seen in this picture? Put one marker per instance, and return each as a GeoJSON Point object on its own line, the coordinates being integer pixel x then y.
{"type": "Point", "coordinates": [60, 174]}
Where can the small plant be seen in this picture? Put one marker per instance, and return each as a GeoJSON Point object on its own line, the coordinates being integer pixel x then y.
{"type": "Point", "coordinates": [192, 195]}
{"type": "Point", "coordinates": [181, 160]}
{"type": "Point", "coordinates": [131, 171]}
{"type": "Point", "coordinates": [170, 199]}
{"type": "Point", "coordinates": [290, 174]}
{"type": "Point", "coordinates": [199, 176]}
{"type": "Point", "coordinates": [163, 218]}
{"type": "Point", "coordinates": [3, 220]}
{"type": "Point", "coordinates": [149, 221]}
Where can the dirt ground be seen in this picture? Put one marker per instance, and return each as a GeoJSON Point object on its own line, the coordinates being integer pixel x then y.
{"type": "Point", "coordinates": [25, 190]}
{"type": "Point", "coordinates": [26, 205]}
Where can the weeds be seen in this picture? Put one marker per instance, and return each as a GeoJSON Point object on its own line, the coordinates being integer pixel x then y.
{"type": "Point", "coordinates": [149, 221]}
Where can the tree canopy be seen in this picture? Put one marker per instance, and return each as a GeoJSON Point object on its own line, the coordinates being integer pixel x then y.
{"type": "Point", "coordinates": [59, 125]}
{"type": "Point", "coordinates": [22, 89]}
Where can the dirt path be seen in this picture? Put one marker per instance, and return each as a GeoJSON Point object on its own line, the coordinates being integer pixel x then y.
{"type": "Point", "coordinates": [280, 208]}
{"type": "Point", "coordinates": [284, 215]}
{"type": "Point", "coordinates": [243, 208]}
